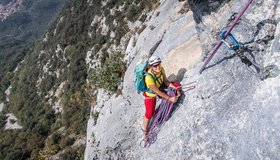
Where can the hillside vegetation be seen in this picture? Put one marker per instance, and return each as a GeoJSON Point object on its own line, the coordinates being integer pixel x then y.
{"type": "Point", "coordinates": [18, 33]}
{"type": "Point", "coordinates": [50, 95]}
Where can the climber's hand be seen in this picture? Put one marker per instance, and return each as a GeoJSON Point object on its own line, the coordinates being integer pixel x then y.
{"type": "Point", "coordinates": [173, 99]}
{"type": "Point", "coordinates": [178, 93]}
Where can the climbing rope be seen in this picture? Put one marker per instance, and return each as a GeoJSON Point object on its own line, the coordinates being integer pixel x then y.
{"type": "Point", "coordinates": [224, 37]}
{"type": "Point", "coordinates": [162, 114]}
{"type": "Point", "coordinates": [252, 65]}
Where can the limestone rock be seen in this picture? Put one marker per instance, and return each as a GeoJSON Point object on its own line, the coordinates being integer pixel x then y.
{"type": "Point", "coordinates": [231, 114]}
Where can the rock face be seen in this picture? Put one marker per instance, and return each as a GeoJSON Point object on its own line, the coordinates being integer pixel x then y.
{"type": "Point", "coordinates": [11, 122]}
{"type": "Point", "coordinates": [231, 114]}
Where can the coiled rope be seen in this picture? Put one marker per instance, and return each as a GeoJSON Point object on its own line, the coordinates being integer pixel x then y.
{"type": "Point", "coordinates": [162, 114]}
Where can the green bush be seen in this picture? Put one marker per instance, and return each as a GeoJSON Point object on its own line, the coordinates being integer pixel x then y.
{"type": "Point", "coordinates": [67, 141]}
{"type": "Point", "coordinates": [112, 3]}
{"type": "Point", "coordinates": [110, 74]}
{"type": "Point", "coordinates": [2, 120]}
{"type": "Point", "coordinates": [55, 138]}
{"type": "Point", "coordinates": [95, 117]}
{"type": "Point", "coordinates": [120, 32]}
{"type": "Point", "coordinates": [73, 154]}
{"type": "Point", "coordinates": [143, 18]}
{"type": "Point", "coordinates": [133, 12]}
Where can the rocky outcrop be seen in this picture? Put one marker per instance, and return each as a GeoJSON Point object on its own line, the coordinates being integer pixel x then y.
{"type": "Point", "coordinates": [231, 114]}
{"type": "Point", "coordinates": [11, 121]}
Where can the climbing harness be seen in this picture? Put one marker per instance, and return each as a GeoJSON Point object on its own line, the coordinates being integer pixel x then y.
{"type": "Point", "coordinates": [224, 37]}
{"type": "Point", "coordinates": [162, 114]}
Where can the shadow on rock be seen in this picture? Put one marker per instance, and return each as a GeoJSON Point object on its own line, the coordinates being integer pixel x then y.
{"type": "Point", "coordinates": [179, 77]}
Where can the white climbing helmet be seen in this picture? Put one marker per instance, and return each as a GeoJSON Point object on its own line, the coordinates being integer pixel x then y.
{"type": "Point", "coordinates": [153, 59]}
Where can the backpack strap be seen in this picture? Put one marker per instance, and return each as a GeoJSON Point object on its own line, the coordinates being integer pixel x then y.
{"type": "Point", "coordinates": [155, 78]}
{"type": "Point", "coordinates": [162, 86]}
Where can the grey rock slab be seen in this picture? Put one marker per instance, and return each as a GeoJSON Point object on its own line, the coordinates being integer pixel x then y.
{"type": "Point", "coordinates": [231, 114]}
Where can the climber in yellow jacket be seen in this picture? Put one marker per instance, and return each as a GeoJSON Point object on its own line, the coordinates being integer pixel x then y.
{"type": "Point", "coordinates": [155, 85]}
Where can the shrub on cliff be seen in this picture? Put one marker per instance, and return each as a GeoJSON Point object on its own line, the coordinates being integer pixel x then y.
{"type": "Point", "coordinates": [110, 74]}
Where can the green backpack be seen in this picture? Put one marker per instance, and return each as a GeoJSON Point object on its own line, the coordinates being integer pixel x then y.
{"type": "Point", "coordinates": [140, 72]}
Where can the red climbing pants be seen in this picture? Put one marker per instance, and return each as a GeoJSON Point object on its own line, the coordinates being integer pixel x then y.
{"type": "Point", "coordinates": [150, 104]}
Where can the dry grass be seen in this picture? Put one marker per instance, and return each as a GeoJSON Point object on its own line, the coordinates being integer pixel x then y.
{"type": "Point", "coordinates": [185, 8]}
{"type": "Point", "coordinates": [155, 5]}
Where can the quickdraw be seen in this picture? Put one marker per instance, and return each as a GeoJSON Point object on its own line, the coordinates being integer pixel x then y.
{"type": "Point", "coordinates": [224, 37]}
{"type": "Point", "coordinates": [260, 71]}
{"type": "Point", "coordinates": [255, 68]}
